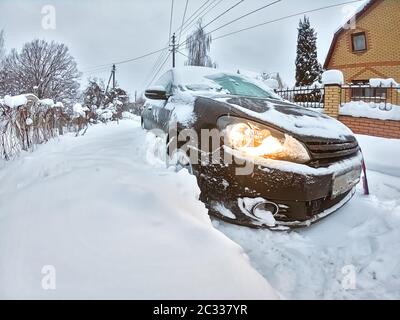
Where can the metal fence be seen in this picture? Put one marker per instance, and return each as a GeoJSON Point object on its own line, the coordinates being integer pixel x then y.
{"type": "Point", "coordinates": [313, 97]}
{"type": "Point", "coordinates": [309, 97]}
{"type": "Point", "coordinates": [378, 95]}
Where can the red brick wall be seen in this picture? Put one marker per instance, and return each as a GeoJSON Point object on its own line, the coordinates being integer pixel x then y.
{"type": "Point", "coordinates": [373, 127]}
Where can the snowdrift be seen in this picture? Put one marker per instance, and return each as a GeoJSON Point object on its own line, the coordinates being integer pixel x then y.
{"type": "Point", "coordinates": [112, 226]}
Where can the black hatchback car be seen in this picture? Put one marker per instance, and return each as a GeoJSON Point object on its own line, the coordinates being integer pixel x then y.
{"type": "Point", "coordinates": [260, 161]}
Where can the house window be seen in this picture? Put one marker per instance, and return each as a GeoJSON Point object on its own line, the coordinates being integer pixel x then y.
{"type": "Point", "coordinates": [359, 42]}
{"type": "Point", "coordinates": [362, 91]}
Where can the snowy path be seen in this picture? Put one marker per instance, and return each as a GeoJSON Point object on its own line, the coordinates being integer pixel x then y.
{"type": "Point", "coordinates": [116, 225]}
{"type": "Point", "coordinates": [112, 226]}
{"type": "Point", "coordinates": [363, 238]}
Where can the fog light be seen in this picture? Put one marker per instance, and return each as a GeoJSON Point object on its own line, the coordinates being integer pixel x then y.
{"type": "Point", "coordinates": [264, 209]}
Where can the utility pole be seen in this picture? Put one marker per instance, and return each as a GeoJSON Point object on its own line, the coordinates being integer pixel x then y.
{"type": "Point", "coordinates": [174, 51]}
{"type": "Point", "coordinates": [113, 75]}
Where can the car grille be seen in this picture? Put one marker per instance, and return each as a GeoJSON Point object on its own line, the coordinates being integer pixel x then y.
{"type": "Point", "coordinates": [325, 153]}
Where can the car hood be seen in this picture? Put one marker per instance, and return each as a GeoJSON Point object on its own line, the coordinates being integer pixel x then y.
{"type": "Point", "coordinates": [290, 118]}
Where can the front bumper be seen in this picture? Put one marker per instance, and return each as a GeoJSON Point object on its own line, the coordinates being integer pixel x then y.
{"type": "Point", "coordinates": [303, 194]}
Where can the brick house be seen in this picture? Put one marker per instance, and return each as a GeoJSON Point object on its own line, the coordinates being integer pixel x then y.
{"type": "Point", "coordinates": [372, 49]}
{"type": "Point", "coordinates": [368, 48]}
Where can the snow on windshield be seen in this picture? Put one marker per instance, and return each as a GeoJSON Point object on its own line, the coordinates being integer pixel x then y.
{"type": "Point", "coordinates": [200, 80]}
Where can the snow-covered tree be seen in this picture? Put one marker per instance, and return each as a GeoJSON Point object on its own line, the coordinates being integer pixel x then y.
{"type": "Point", "coordinates": [93, 95]}
{"type": "Point", "coordinates": [116, 96]}
{"type": "Point", "coordinates": [46, 69]}
{"type": "Point", "coordinates": [104, 105]}
{"type": "Point", "coordinates": [198, 45]}
{"type": "Point", "coordinates": [116, 101]}
{"type": "Point", "coordinates": [308, 69]}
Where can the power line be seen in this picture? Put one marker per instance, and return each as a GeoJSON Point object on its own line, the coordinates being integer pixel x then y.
{"type": "Point", "coordinates": [201, 15]}
{"type": "Point", "coordinates": [223, 13]}
{"type": "Point", "coordinates": [129, 60]}
{"type": "Point", "coordinates": [183, 20]}
{"type": "Point", "coordinates": [237, 19]}
{"type": "Point", "coordinates": [96, 70]}
{"type": "Point", "coordinates": [208, 11]}
{"type": "Point", "coordinates": [101, 68]}
{"type": "Point", "coordinates": [186, 24]}
{"type": "Point", "coordinates": [246, 15]}
{"type": "Point", "coordinates": [159, 70]}
{"type": "Point", "coordinates": [212, 8]}
{"type": "Point", "coordinates": [156, 65]}
{"type": "Point", "coordinates": [183, 54]}
{"type": "Point", "coordinates": [163, 53]}
{"type": "Point", "coordinates": [141, 57]}
{"type": "Point", "coordinates": [198, 9]}
{"type": "Point", "coordinates": [286, 17]}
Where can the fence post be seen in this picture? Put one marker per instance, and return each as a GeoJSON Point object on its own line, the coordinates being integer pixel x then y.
{"type": "Point", "coordinates": [332, 100]}
{"type": "Point", "coordinates": [333, 81]}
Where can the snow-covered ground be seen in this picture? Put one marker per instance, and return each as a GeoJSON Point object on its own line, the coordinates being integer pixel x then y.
{"type": "Point", "coordinates": [112, 226]}
{"type": "Point", "coordinates": [115, 224]}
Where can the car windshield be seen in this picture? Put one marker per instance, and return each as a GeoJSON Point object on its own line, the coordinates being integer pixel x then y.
{"type": "Point", "coordinates": [233, 85]}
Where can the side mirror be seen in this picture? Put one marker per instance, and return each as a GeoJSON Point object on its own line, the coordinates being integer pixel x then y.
{"type": "Point", "coordinates": [156, 93]}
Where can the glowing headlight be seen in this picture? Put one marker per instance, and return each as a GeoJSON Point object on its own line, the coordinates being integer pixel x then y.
{"type": "Point", "coordinates": [256, 140]}
{"type": "Point", "coordinates": [240, 135]}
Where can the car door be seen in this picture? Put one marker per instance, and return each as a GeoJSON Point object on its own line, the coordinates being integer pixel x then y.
{"type": "Point", "coordinates": [155, 111]}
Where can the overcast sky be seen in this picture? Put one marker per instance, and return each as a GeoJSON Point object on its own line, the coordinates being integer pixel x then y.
{"type": "Point", "coordinates": [100, 32]}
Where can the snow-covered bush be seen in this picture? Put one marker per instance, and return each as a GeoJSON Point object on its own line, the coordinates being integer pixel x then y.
{"type": "Point", "coordinates": [99, 105]}
{"type": "Point", "coordinates": [26, 121]}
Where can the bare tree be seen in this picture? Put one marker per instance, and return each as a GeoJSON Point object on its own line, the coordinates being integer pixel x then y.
{"type": "Point", "coordinates": [2, 56]}
{"type": "Point", "coordinates": [45, 69]}
{"type": "Point", "coordinates": [198, 44]}
{"type": "Point", "coordinates": [2, 47]}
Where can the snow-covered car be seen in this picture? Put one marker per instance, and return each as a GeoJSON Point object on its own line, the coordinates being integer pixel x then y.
{"type": "Point", "coordinates": [287, 166]}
